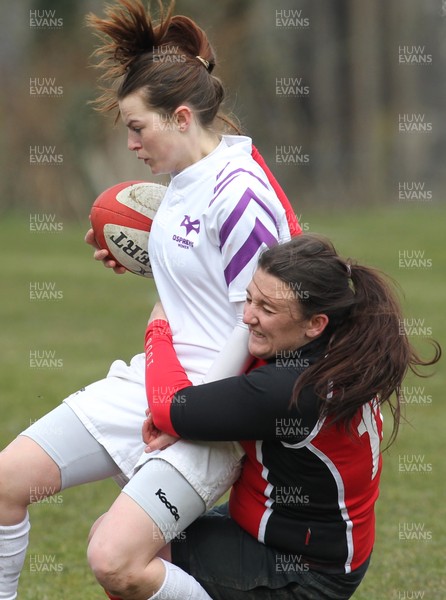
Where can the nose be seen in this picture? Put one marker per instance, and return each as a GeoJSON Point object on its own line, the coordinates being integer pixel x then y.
{"type": "Point", "coordinates": [249, 314]}
{"type": "Point", "coordinates": [132, 142]}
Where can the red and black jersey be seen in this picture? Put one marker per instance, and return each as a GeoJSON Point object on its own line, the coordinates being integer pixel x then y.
{"type": "Point", "coordinates": [307, 487]}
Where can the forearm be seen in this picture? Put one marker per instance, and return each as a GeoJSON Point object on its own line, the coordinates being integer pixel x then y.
{"type": "Point", "coordinates": [164, 373]}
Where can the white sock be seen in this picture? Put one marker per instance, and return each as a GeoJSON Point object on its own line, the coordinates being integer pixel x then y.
{"type": "Point", "coordinates": [13, 545]}
{"type": "Point", "coordinates": [179, 585]}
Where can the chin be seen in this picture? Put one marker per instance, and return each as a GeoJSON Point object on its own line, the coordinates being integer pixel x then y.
{"type": "Point", "coordinates": [258, 352]}
{"type": "Point", "coordinates": [159, 171]}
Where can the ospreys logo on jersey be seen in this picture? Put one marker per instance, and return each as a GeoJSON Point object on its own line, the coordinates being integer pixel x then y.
{"type": "Point", "coordinates": [190, 227]}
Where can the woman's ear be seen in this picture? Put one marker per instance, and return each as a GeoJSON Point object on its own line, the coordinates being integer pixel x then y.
{"type": "Point", "coordinates": [316, 325]}
{"type": "Point", "coordinates": [183, 117]}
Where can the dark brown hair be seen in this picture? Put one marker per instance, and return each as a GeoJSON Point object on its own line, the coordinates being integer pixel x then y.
{"type": "Point", "coordinates": [368, 351]}
{"type": "Point", "coordinates": [158, 59]}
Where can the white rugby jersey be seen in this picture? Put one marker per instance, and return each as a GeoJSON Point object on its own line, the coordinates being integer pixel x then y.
{"type": "Point", "coordinates": [216, 217]}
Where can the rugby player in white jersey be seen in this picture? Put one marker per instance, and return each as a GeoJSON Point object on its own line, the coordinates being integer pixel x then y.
{"type": "Point", "coordinates": [219, 212]}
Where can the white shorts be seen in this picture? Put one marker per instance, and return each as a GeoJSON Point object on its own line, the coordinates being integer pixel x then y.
{"type": "Point", "coordinates": [159, 489]}
{"type": "Point", "coordinates": [113, 411]}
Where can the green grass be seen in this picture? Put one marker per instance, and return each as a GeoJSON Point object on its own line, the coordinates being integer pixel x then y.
{"type": "Point", "coordinates": [100, 317]}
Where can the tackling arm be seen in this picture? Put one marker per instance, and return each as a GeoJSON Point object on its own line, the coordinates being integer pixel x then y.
{"type": "Point", "coordinates": [234, 357]}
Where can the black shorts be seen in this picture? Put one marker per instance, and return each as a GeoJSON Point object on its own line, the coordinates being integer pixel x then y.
{"type": "Point", "coordinates": [231, 564]}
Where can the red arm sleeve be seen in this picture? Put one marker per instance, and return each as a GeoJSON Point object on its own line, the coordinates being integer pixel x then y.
{"type": "Point", "coordinates": [164, 373]}
{"type": "Point", "coordinates": [293, 223]}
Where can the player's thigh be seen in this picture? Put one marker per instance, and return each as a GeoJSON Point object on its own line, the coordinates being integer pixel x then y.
{"type": "Point", "coordinates": [54, 453]}
{"type": "Point", "coordinates": [79, 457]}
{"type": "Point", "coordinates": [27, 474]}
{"type": "Point", "coordinates": [157, 504]}
{"type": "Point", "coordinates": [167, 497]}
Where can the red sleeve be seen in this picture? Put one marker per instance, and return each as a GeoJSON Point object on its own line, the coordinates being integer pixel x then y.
{"type": "Point", "coordinates": [164, 374]}
{"type": "Point", "coordinates": [293, 223]}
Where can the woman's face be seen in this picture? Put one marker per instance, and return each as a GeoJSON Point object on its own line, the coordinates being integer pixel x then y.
{"type": "Point", "coordinates": [274, 318]}
{"type": "Point", "coordinates": [154, 137]}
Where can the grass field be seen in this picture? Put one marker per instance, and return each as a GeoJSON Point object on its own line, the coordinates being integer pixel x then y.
{"type": "Point", "coordinates": [90, 317]}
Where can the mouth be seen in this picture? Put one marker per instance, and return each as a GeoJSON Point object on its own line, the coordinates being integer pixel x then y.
{"type": "Point", "coordinates": [256, 334]}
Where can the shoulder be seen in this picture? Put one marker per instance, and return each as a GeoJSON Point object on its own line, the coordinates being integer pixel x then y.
{"type": "Point", "coordinates": [273, 387]}
{"type": "Point", "coordinates": [238, 169]}
{"type": "Point", "coordinates": [242, 189]}
{"type": "Point", "coordinates": [274, 379]}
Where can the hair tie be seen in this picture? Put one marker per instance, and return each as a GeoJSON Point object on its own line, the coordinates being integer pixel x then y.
{"type": "Point", "coordinates": [205, 62]}
{"type": "Point", "coordinates": [349, 269]}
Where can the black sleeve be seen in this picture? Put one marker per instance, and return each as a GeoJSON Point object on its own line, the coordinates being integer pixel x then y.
{"type": "Point", "coordinates": [247, 407]}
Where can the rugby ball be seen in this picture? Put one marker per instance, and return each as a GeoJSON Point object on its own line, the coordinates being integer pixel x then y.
{"type": "Point", "coordinates": [122, 217]}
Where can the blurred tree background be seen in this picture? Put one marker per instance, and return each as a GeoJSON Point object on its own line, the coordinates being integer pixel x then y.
{"type": "Point", "coordinates": [345, 99]}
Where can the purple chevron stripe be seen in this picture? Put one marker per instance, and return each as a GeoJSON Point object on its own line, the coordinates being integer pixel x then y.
{"type": "Point", "coordinates": [258, 236]}
{"type": "Point", "coordinates": [219, 174]}
{"type": "Point", "coordinates": [238, 211]}
{"type": "Point", "coordinates": [229, 178]}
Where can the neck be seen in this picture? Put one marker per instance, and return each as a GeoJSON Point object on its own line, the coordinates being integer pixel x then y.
{"type": "Point", "coordinates": [207, 142]}
{"type": "Point", "coordinates": [198, 144]}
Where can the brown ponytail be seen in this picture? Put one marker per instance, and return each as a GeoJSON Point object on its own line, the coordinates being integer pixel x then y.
{"type": "Point", "coordinates": [170, 62]}
{"type": "Point", "coordinates": [368, 351]}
